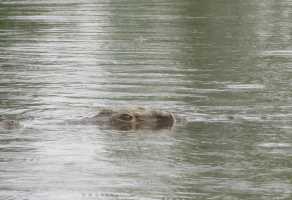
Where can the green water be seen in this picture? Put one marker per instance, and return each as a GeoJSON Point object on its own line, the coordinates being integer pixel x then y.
{"type": "Point", "coordinates": [224, 66]}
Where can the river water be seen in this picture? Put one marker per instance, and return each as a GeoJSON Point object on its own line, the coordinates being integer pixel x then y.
{"type": "Point", "coordinates": [224, 66]}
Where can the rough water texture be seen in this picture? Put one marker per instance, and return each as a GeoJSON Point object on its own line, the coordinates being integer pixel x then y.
{"type": "Point", "coordinates": [224, 66]}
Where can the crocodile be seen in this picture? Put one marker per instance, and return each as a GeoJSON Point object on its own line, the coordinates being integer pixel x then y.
{"type": "Point", "coordinates": [8, 123]}
{"type": "Point", "coordinates": [132, 118]}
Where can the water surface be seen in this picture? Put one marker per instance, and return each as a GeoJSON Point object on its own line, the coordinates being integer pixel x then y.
{"type": "Point", "coordinates": [224, 66]}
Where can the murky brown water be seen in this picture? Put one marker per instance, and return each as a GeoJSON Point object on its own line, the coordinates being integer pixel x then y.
{"type": "Point", "coordinates": [225, 66]}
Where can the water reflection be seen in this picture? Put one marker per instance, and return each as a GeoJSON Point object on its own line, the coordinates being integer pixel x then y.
{"type": "Point", "coordinates": [224, 66]}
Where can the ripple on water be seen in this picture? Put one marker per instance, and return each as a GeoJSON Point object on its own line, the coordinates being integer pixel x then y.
{"type": "Point", "coordinates": [245, 86]}
{"type": "Point", "coordinates": [274, 145]}
{"type": "Point", "coordinates": [272, 148]}
{"type": "Point", "coordinates": [278, 53]}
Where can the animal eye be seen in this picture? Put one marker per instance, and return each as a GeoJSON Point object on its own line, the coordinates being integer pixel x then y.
{"type": "Point", "coordinates": [126, 117]}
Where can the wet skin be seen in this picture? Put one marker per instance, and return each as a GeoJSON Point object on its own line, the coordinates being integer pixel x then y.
{"type": "Point", "coordinates": [134, 118]}
{"type": "Point", "coordinates": [8, 124]}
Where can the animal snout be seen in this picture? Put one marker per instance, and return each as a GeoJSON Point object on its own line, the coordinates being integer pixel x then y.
{"type": "Point", "coordinates": [124, 117]}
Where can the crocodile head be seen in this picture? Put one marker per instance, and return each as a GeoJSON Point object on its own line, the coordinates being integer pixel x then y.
{"type": "Point", "coordinates": [136, 118]}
